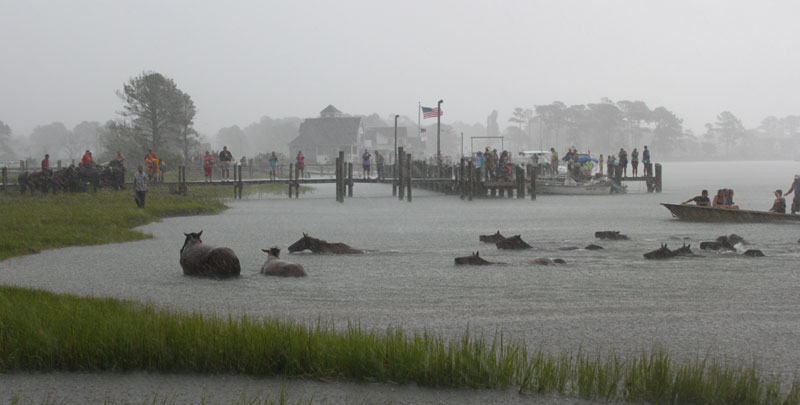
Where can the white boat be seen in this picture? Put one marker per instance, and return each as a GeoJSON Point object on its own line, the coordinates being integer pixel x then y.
{"type": "Point", "coordinates": [567, 186]}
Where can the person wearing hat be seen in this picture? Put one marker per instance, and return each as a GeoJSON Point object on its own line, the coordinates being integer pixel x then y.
{"type": "Point", "coordinates": [794, 188]}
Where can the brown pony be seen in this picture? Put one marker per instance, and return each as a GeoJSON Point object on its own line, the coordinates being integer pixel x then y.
{"type": "Point", "coordinates": [493, 238]}
{"type": "Point", "coordinates": [320, 246]}
{"type": "Point", "coordinates": [199, 259]}
{"type": "Point", "coordinates": [474, 260]}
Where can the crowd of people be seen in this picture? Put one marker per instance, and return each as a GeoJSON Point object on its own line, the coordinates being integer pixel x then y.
{"type": "Point", "coordinates": [724, 199]}
{"type": "Point", "coordinates": [497, 167]}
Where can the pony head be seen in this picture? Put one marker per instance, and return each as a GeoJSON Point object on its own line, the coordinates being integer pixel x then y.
{"type": "Point", "coordinates": [273, 251]}
{"type": "Point", "coordinates": [191, 238]}
{"type": "Point", "coordinates": [302, 244]}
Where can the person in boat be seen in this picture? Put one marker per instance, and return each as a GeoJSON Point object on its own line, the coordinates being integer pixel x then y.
{"type": "Point", "coordinates": [795, 188]}
{"type": "Point", "coordinates": [779, 205]}
{"type": "Point", "coordinates": [729, 199]}
{"type": "Point", "coordinates": [701, 200]}
{"type": "Point", "coordinates": [719, 199]}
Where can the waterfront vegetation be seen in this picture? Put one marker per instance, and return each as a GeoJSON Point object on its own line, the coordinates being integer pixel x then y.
{"type": "Point", "coordinates": [31, 223]}
{"type": "Point", "coordinates": [34, 223]}
{"type": "Point", "coordinates": [42, 331]}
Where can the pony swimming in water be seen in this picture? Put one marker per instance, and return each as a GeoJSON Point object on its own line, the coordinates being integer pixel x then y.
{"type": "Point", "coordinates": [199, 259]}
{"type": "Point", "coordinates": [320, 246]}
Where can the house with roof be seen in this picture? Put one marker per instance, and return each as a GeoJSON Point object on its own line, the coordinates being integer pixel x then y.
{"type": "Point", "coordinates": [321, 139]}
{"type": "Point", "coordinates": [382, 139]}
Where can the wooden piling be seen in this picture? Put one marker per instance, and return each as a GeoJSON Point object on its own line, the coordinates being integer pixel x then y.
{"type": "Point", "coordinates": [533, 184]}
{"type": "Point", "coordinates": [58, 164]}
{"type": "Point", "coordinates": [241, 183]}
{"type": "Point", "coordinates": [408, 181]}
{"type": "Point", "coordinates": [291, 170]}
{"type": "Point", "coordinates": [618, 175]}
{"type": "Point", "coordinates": [350, 179]}
{"type": "Point", "coordinates": [658, 177]}
{"type": "Point", "coordinates": [461, 186]}
{"type": "Point", "coordinates": [400, 174]}
{"type": "Point", "coordinates": [338, 175]}
{"type": "Point", "coordinates": [471, 187]}
{"type": "Point", "coordinates": [520, 182]}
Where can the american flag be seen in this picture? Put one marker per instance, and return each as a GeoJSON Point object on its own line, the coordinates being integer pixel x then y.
{"type": "Point", "coordinates": [431, 112]}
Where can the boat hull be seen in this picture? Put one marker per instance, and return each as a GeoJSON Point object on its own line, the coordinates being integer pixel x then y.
{"type": "Point", "coordinates": [586, 189]}
{"type": "Point", "coordinates": [710, 214]}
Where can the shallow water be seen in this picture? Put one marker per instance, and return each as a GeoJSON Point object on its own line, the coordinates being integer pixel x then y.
{"type": "Point", "coordinates": [733, 307]}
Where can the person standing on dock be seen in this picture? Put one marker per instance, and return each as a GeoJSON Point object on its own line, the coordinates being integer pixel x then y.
{"type": "Point", "coordinates": [646, 161]}
{"type": "Point", "coordinates": [365, 161]}
{"type": "Point", "coordinates": [46, 166]}
{"type": "Point", "coordinates": [225, 158]}
{"type": "Point", "coordinates": [635, 162]}
{"type": "Point", "coordinates": [273, 163]}
{"type": "Point", "coordinates": [600, 165]}
{"type": "Point", "coordinates": [300, 163]}
{"type": "Point", "coordinates": [623, 161]}
{"type": "Point", "coordinates": [554, 161]}
{"type": "Point", "coordinates": [208, 166]}
{"type": "Point", "coordinates": [379, 162]}
{"type": "Point", "coordinates": [794, 188]}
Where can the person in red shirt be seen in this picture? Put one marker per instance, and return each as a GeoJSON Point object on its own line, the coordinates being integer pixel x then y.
{"type": "Point", "coordinates": [46, 165]}
{"type": "Point", "coordinates": [208, 165]}
{"type": "Point", "coordinates": [86, 160]}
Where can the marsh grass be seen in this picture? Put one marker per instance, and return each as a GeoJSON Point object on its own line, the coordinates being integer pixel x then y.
{"type": "Point", "coordinates": [33, 223]}
{"type": "Point", "coordinates": [41, 331]}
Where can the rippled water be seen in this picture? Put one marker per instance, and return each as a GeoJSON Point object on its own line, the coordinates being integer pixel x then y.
{"type": "Point", "coordinates": [727, 305]}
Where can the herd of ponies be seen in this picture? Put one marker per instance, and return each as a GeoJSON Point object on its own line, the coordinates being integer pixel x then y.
{"type": "Point", "coordinates": [199, 259]}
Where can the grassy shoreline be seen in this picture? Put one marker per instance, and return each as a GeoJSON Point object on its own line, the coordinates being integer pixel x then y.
{"type": "Point", "coordinates": [34, 223]}
{"type": "Point", "coordinates": [30, 224]}
{"type": "Point", "coordinates": [43, 331]}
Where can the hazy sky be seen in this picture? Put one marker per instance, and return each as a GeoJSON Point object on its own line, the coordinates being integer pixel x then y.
{"type": "Point", "coordinates": [240, 60]}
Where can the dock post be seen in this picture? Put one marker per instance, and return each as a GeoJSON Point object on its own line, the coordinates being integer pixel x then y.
{"type": "Point", "coordinates": [296, 181]}
{"type": "Point", "coordinates": [658, 177]}
{"type": "Point", "coordinates": [461, 188]}
{"type": "Point", "coordinates": [291, 169]}
{"type": "Point", "coordinates": [350, 179]}
{"type": "Point", "coordinates": [338, 174]}
{"type": "Point", "coordinates": [408, 181]}
{"type": "Point", "coordinates": [471, 187]}
{"type": "Point", "coordinates": [241, 183]}
{"type": "Point", "coordinates": [399, 176]}
{"type": "Point", "coordinates": [520, 182]}
{"type": "Point", "coordinates": [533, 184]}
{"type": "Point", "coordinates": [618, 175]}
{"type": "Point", "coordinates": [58, 164]}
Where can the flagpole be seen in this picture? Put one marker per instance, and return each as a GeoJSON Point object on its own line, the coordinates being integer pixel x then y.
{"type": "Point", "coordinates": [419, 114]}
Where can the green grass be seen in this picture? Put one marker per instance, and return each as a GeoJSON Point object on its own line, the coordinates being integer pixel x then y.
{"type": "Point", "coordinates": [34, 223]}
{"type": "Point", "coordinates": [42, 331]}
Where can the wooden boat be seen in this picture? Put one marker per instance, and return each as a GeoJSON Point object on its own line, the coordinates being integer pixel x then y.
{"type": "Point", "coordinates": [710, 214]}
{"type": "Point", "coordinates": [559, 186]}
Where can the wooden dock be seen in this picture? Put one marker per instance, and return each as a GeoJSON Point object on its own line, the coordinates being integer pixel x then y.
{"type": "Point", "coordinates": [463, 179]}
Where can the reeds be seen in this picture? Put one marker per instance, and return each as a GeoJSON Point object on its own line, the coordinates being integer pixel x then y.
{"type": "Point", "coordinates": [41, 331]}
{"type": "Point", "coordinates": [33, 223]}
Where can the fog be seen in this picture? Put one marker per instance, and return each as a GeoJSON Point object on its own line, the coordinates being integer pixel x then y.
{"type": "Point", "coordinates": [64, 62]}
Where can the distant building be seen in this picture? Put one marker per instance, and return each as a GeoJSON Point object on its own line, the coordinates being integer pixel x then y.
{"type": "Point", "coordinates": [382, 140]}
{"type": "Point", "coordinates": [321, 139]}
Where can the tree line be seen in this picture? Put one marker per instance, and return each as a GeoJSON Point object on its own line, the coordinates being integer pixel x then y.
{"type": "Point", "coordinates": [157, 115]}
